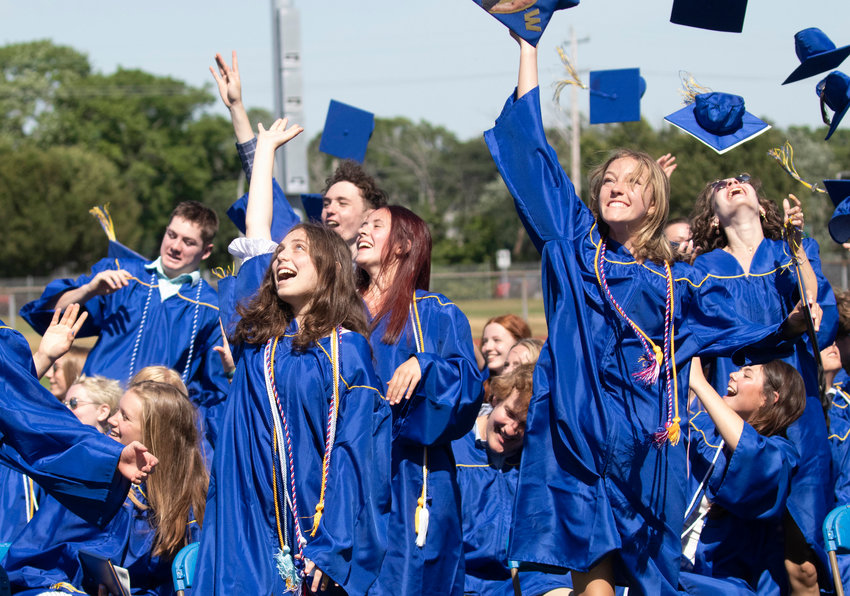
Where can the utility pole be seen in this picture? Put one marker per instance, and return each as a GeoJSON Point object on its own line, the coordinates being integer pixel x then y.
{"type": "Point", "coordinates": [291, 159]}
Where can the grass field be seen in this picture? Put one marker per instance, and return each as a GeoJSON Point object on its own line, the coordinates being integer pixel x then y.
{"type": "Point", "coordinates": [478, 311]}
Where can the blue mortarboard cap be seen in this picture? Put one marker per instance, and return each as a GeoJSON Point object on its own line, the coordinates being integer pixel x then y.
{"type": "Point", "coordinates": [838, 190]}
{"type": "Point", "coordinates": [719, 120]}
{"type": "Point", "coordinates": [283, 217]}
{"type": "Point", "coordinates": [347, 131]}
{"type": "Point", "coordinates": [526, 18]}
{"type": "Point", "coordinates": [615, 95]}
{"type": "Point", "coordinates": [716, 15]}
{"type": "Point", "coordinates": [116, 250]}
{"type": "Point", "coordinates": [839, 223]}
{"type": "Point", "coordinates": [817, 54]}
{"type": "Point", "coordinates": [313, 204]}
{"type": "Point", "coordinates": [834, 93]}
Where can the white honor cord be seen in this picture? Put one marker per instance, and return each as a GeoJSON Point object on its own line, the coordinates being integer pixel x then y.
{"type": "Point", "coordinates": [278, 429]}
{"type": "Point", "coordinates": [700, 490]}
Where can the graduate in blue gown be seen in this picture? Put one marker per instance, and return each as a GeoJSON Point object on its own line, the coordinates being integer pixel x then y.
{"type": "Point", "coordinates": [838, 391]}
{"type": "Point", "coordinates": [488, 460]}
{"type": "Point", "coordinates": [603, 475]}
{"type": "Point", "coordinates": [151, 312]}
{"type": "Point", "coordinates": [744, 464]}
{"type": "Point", "coordinates": [740, 234]}
{"type": "Point", "coordinates": [86, 471]}
{"type": "Point", "coordinates": [302, 468]}
{"type": "Point", "coordinates": [422, 344]}
{"type": "Point", "coordinates": [158, 518]}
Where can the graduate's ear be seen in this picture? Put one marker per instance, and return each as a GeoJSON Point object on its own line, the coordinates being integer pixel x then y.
{"type": "Point", "coordinates": [403, 248]}
{"type": "Point", "coordinates": [103, 413]}
{"type": "Point", "coordinates": [775, 397]}
{"type": "Point", "coordinates": [207, 251]}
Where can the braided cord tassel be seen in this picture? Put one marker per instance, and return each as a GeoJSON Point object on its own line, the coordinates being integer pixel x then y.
{"type": "Point", "coordinates": [785, 157]}
{"type": "Point", "coordinates": [653, 357]}
{"type": "Point", "coordinates": [671, 430]}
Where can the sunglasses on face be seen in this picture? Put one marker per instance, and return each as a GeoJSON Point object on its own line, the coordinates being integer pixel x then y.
{"type": "Point", "coordinates": [721, 184]}
{"type": "Point", "coordinates": [73, 403]}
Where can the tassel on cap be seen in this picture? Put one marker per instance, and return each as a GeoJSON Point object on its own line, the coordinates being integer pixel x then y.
{"type": "Point", "coordinates": [101, 213]}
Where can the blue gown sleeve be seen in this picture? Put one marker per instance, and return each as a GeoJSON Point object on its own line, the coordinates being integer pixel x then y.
{"type": "Point", "coordinates": [39, 312]}
{"type": "Point", "coordinates": [545, 198]}
{"type": "Point", "coordinates": [448, 397]}
{"type": "Point", "coordinates": [755, 481]}
{"type": "Point", "coordinates": [826, 297]}
{"type": "Point", "coordinates": [283, 215]}
{"type": "Point", "coordinates": [350, 542]}
{"type": "Point", "coordinates": [40, 437]}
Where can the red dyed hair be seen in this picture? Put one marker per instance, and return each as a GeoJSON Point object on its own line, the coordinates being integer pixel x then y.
{"type": "Point", "coordinates": [409, 249]}
{"type": "Point", "coordinates": [515, 325]}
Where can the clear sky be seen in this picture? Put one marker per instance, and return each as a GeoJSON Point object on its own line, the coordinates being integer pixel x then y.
{"type": "Point", "coordinates": [444, 61]}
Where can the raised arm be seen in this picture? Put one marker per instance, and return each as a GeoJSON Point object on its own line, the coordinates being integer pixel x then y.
{"type": "Point", "coordinates": [230, 89]}
{"type": "Point", "coordinates": [258, 213]}
{"type": "Point", "coordinates": [545, 198]}
{"type": "Point", "coordinates": [58, 338]}
{"type": "Point", "coordinates": [728, 423]}
{"type": "Point", "coordinates": [527, 79]}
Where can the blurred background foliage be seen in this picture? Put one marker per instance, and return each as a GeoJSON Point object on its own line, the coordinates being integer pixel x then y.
{"type": "Point", "coordinates": [71, 138]}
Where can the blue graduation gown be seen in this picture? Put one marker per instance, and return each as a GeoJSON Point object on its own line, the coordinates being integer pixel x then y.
{"type": "Point", "coordinates": [443, 408]}
{"type": "Point", "coordinates": [487, 499]}
{"type": "Point", "coordinates": [19, 499]}
{"type": "Point", "coordinates": [167, 334]}
{"type": "Point", "coordinates": [239, 537]}
{"type": "Point", "coordinates": [591, 483]}
{"type": "Point", "coordinates": [47, 551]}
{"type": "Point", "coordinates": [839, 432]}
{"type": "Point", "coordinates": [766, 296]}
{"type": "Point", "coordinates": [40, 437]}
{"type": "Point", "coordinates": [742, 535]}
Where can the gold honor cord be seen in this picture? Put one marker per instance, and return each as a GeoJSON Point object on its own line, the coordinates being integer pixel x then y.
{"type": "Point", "coordinates": [422, 516]}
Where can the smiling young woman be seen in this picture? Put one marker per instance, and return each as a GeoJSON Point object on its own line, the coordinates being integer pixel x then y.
{"type": "Point", "coordinates": [604, 426]}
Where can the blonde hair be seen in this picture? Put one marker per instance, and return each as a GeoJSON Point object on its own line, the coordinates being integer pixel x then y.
{"type": "Point", "coordinates": [179, 486]}
{"type": "Point", "coordinates": [101, 391]}
{"type": "Point", "coordinates": [649, 240]}
{"type": "Point", "coordinates": [160, 374]}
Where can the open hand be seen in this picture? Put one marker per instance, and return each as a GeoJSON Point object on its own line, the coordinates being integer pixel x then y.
{"type": "Point", "coordinates": [278, 133]}
{"type": "Point", "coordinates": [63, 329]}
{"type": "Point", "coordinates": [405, 379]}
{"type": "Point", "coordinates": [136, 463]}
{"type": "Point", "coordinates": [228, 81]}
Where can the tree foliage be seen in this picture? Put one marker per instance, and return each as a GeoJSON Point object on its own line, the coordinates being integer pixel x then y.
{"type": "Point", "coordinates": [71, 138]}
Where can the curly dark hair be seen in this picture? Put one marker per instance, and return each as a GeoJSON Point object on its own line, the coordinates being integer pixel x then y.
{"type": "Point", "coordinates": [351, 171]}
{"type": "Point", "coordinates": [707, 235]}
{"type": "Point", "coordinates": [335, 301]}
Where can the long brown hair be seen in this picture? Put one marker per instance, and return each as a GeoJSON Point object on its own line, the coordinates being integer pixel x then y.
{"type": "Point", "coordinates": [650, 242]}
{"type": "Point", "coordinates": [179, 487]}
{"type": "Point", "coordinates": [408, 249]}
{"type": "Point", "coordinates": [707, 236]}
{"type": "Point", "coordinates": [774, 417]}
{"type": "Point", "coordinates": [335, 301]}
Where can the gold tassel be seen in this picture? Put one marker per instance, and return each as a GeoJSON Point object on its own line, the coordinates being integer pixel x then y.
{"type": "Point", "coordinates": [317, 517]}
{"type": "Point", "coordinates": [690, 87]}
{"type": "Point", "coordinates": [572, 76]}
{"type": "Point", "coordinates": [222, 272]}
{"type": "Point", "coordinates": [101, 213]}
{"type": "Point", "coordinates": [785, 156]}
{"type": "Point", "coordinates": [674, 432]}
